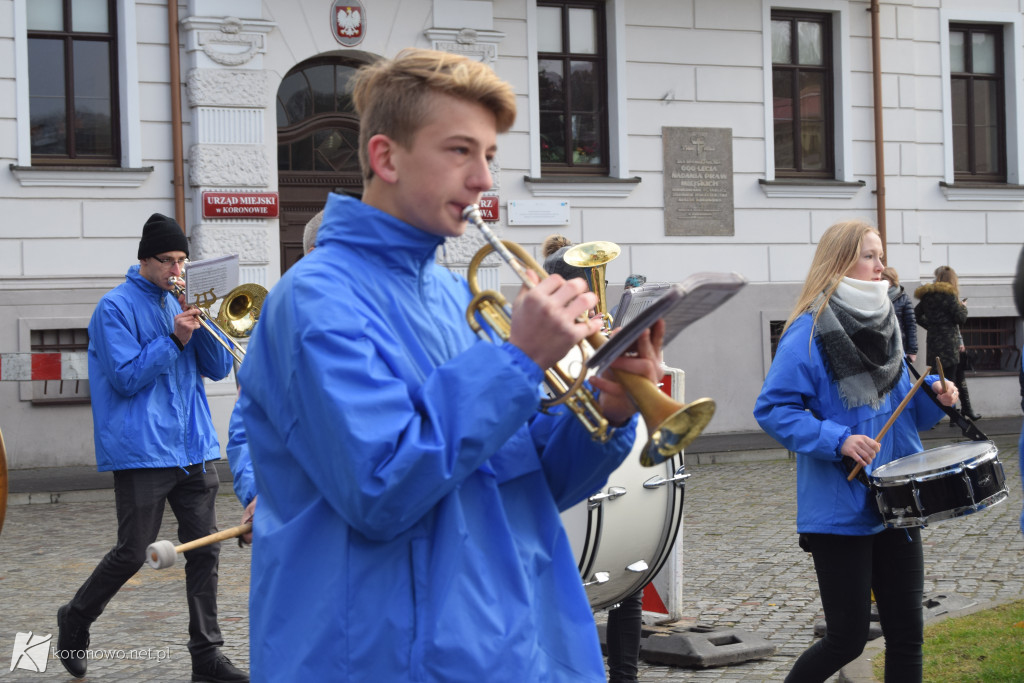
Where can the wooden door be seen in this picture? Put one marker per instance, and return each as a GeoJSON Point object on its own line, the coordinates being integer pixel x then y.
{"type": "Point", "coordinates": [317, 145]}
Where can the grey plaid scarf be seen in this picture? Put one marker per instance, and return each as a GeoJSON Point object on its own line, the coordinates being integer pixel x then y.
{"type": "Point", "coordinates": [862, 349]}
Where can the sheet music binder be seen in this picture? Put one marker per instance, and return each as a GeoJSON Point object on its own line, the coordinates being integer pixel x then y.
{"type": "Point", "coordinates": [679, 304]}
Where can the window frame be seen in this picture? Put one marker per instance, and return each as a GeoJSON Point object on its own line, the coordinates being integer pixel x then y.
{"type": "Point", "coordinates": [600, 59]}
{"type": "Point", "coordinates": [971, 174]}
{"type": "Point", "coordinates": [1012, 24]}
{"type": "Point", "coordinates": [129, 173]}
{"type": "Point", "coordinates": [68, 37]}
{"type": "Point", "coordinates": [845, 184]}
{"type": "Point", "coordinates": [794, 69]}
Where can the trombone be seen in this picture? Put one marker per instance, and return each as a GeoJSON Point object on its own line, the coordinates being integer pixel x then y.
{"type": "Point", "coordinates": [239, 312]}
{"type": "Point", "coordinates": [672, 426]}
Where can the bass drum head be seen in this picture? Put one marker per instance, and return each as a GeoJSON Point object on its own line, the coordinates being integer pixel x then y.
{"type": "Point", "coordinates": [934, 460]}
{"type": "Point", "coordinates": [622, 535]}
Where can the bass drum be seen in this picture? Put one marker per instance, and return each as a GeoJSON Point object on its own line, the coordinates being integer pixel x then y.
{"type": "Point", "coordinates": [623, 535]}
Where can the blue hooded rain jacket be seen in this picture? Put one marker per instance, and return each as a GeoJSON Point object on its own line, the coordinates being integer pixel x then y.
{"type": "Point", "coordinates": [408, 526]}
{"type": "Point", "coordinates": [799, 406]}
{"type": "Point", "coordinates": [148, 402]}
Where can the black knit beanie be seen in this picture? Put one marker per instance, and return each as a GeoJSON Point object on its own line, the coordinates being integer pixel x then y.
{"type": "Point", "coordinates": [161, 234]}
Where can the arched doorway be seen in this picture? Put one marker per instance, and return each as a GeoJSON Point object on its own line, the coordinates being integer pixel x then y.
{"type": "Point", "coordinates": [317, 145]}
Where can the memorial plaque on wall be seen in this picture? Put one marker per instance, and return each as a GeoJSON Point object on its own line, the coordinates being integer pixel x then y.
{"type": "Point", "coordinates": [698, 181]}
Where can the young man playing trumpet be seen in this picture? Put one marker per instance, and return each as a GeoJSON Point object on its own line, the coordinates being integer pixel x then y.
{"type": "Point", "coordinates": [153, 429]}
{"type": "Point", "coordinates": [408, 525]}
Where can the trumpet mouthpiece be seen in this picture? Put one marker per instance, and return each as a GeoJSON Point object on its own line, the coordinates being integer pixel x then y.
{"type": "Point", "coordinates": [471, 213]}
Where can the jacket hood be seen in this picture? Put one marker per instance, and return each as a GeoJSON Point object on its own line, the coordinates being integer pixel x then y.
{"type": "Point", "coordinates": [935, 288]}
{"type": "Point", "coordinates": [362, 228]}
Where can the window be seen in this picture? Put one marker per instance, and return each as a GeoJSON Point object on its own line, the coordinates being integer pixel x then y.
{"type": "Point", "coordinates": [572, 75]}
{"type": "Point", "coordinates": [72, 69]}
{"type": "Point", "coordinates": [802, 102]}
{"type": "Point", "coordinates": [977, 87]}
{"type": "Point", "coordinates": [60, 391]}
{"type": "Point", "coordinates": [775, 334]}
{"type": "Point", "coordinates": [991, 345]}
{"type": "Point", "coordinates": [317, 127]}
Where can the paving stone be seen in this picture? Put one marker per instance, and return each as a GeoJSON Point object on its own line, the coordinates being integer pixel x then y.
{"type": "Point", "coordinates": [741, 566]}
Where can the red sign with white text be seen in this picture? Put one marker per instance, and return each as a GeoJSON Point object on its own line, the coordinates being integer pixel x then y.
{"type": "Point", "coordinates": [489, 207]}
{"type": "Point", "coordinates": [240, 205]}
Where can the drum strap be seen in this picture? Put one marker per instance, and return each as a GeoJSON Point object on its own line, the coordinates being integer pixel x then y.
{"type": "Point", "coordinates": [969, 429]}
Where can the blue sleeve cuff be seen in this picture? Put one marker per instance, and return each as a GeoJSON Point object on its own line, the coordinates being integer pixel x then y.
{"type": "Point", "coordinates": [533, 372]}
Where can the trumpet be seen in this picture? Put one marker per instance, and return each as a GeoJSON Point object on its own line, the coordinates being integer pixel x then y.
{"type": "Point", "coordinates": [239, 312]}
{"type": "Point", "coordinates": [672, 426]}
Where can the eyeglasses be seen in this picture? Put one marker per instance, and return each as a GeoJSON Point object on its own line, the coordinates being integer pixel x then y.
{"type": "Point", "coordinates": [167, 260]}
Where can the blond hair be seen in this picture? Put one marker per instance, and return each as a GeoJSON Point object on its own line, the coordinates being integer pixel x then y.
{"type": "Point", "coordinates": [947, 274]}
{"type": "Point", "coordinates": [392, 95]}
{"type": "Point", "coordinates": [837, 252]}
{"type": "Point", "coordinates": [891, 276]}
{"type": "Point", "coordinates": [553, 243]}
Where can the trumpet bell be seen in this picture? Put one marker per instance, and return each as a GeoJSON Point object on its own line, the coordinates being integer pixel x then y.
{"type": "Point", "coordinates": [677, 431]}
{"type": "Point", "coordinates": [240, 310]}
{"type": "Point", "coordinates": [591, 254]}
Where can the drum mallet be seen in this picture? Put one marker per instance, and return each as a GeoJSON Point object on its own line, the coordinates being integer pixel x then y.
{"type": "Point", "coordinates": [892, 418]}
{"type": "Point", "coordinates": [161, 554]}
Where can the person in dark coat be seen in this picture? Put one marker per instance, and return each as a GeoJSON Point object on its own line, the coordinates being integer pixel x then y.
{"type": "Point", "coordinates": [904, 312]}
{"type": "Point", "coordinates": [1018, 299]}
{"type": "Point", "coordinates": [941, 311]}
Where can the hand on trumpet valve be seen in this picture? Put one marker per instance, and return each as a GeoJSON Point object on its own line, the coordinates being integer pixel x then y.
{"type": "Point", "coordinates": [644, 359]}
{"type": "Point", "coordinates": [550, 318]}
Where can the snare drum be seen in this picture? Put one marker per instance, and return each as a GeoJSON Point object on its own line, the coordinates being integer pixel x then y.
{"type": "Point", "coordinates": [941, 483]}
{"type": "Point", "coordinates": [622, 535]}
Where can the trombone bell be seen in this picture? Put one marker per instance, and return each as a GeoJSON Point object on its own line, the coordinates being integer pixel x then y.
{"type": "Point", "coordinates": [240, 310]}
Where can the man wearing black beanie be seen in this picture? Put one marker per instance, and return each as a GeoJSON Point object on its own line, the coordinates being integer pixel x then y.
{"type": "Point", "coordinates": [153, 429]}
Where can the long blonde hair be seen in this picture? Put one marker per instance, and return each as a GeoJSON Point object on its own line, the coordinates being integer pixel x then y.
{"type": "Point", "coordinates": [947, 274]}
{"type": "Point", "coordinates": [837, 252]}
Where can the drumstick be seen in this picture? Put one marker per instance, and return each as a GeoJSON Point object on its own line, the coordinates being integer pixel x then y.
{"type": "Point", "coordinates": [892, 418]}
{"type": "Point", "coordinates": [942, 375]}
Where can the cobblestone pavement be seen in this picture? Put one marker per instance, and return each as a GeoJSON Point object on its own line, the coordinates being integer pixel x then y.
{"type": "Point", "coordinates": [742, 569]}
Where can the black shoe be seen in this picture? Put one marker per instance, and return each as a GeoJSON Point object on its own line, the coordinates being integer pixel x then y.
{"type": "Point", "coordinates": [72, 641]}
{"type": "Point", "coordinates": [217, 668]}
{"type": "Point", "coordinates": [974, 417]}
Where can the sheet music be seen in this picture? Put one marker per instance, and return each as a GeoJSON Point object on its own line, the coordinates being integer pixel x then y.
{"type": "Point", "coordinates": [210, 279]}
{"type": "Point", "coordinates": [679, 304]}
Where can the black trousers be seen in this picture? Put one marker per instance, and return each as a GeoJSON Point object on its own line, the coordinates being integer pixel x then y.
{"type": "Point", "coordinates": [625, 629]}
{"type": "Point", "coordinates": [891, 564]}
{"type": "Point", "coordinates": [140, 495]}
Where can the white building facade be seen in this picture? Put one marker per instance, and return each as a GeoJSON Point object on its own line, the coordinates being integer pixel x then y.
{"type": "Point", "coordinates": [699, 135]}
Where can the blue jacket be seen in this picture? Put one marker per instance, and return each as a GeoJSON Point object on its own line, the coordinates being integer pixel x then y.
{"type": "Point", "coordinates": [408, 526]}
{"type": "Point", "coordinates": [244, 481]}
{"type": "Point", "coordinates": [799, 406]}
{"type": "Point", "coordinates": [149, 406]}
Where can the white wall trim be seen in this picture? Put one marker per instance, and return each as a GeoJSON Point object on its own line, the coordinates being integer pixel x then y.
{"type": "Point", "coordinates": [842, 115]}
{"type": "Point", "coordinates": [45, 176]}
{"type": "Point", "coordinates": [1013, 67]}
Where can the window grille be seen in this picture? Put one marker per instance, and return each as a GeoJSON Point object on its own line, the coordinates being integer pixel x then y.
{"type": "Point", "coordinates": [60, 391]}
